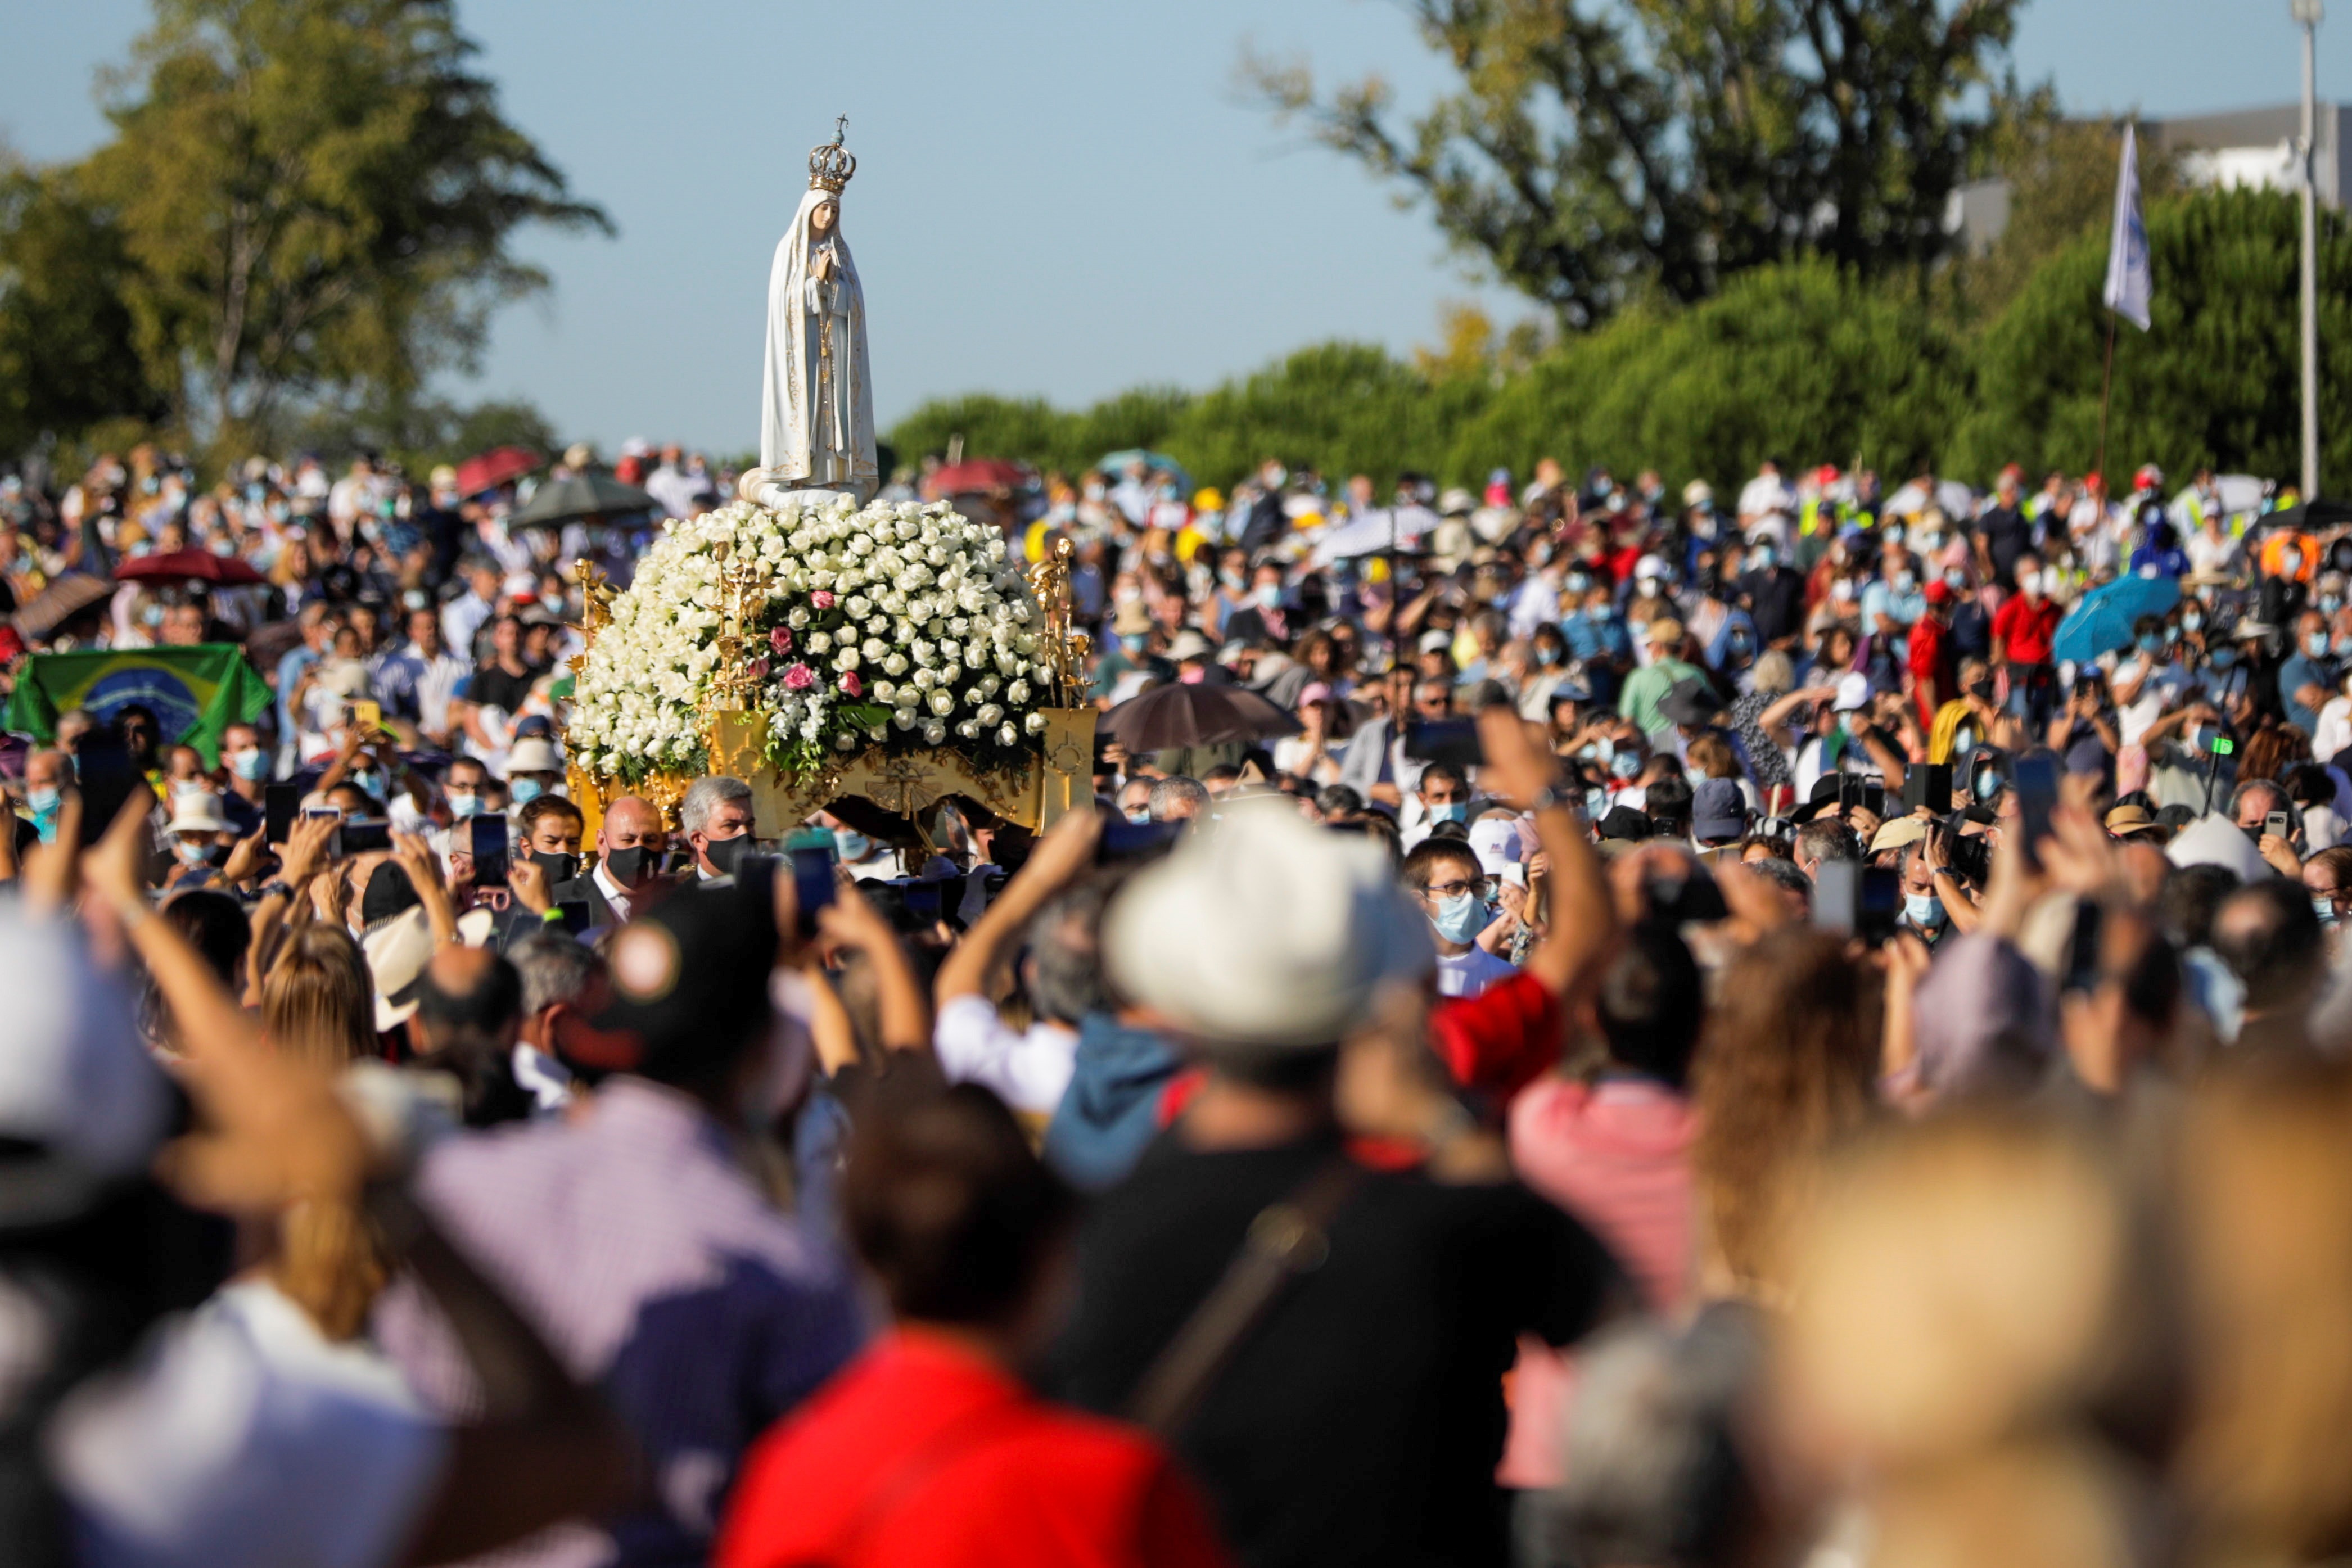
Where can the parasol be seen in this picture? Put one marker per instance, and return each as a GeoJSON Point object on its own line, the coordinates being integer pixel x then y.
{"type": "Point", "coordinates": [578, 497]}
{"type": "Point", "coordinates": [2311, 517]}
{"type": "Point", "coordinates": [1157, 462]}
{"type": "Point", "coordinates": [188, 566]}
{"type": "Point", "coordinates": [486, 470]}
{"type": "Point", "coordinates": [1166, 717]}
{"type": "Point", "coordinates": [980, 476]}
{"type": "Point", "coordinates": [2101, 619]}
{"type": "Point", "coordinates": [60, 603]}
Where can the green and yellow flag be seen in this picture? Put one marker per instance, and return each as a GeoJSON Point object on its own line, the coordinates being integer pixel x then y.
{"type": "Point", "coordinates": [194, 693]}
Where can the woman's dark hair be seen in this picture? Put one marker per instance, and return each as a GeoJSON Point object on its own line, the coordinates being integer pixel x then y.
{"type": "Point", "coordinates": [946, 1204]}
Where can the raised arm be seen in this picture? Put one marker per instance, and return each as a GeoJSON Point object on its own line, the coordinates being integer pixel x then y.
{"type": "Point", "coordinates": [1583, 919]}
{"type": "Point", "coordinates": [1058, 859]}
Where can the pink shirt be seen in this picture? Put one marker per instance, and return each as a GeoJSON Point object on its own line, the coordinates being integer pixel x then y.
{"type": "Point", "coordinates": [1616, 1155]}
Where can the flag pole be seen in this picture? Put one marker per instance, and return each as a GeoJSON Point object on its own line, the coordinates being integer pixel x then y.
{"type": "Point", "coordinates": [2106, 389]}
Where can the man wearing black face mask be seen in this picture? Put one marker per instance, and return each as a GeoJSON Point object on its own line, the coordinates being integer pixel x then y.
{"type": "Point", "coordinates": [716, 817]}
{"type": "Point", "coordinates": [629, 847]}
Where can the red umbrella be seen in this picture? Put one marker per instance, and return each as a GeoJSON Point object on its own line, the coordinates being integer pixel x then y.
{"type": "Point", "coordinates": [981, 475]}
{"type": "Point", "coordinates": [187, 566]}
{"type": "Point", "coordinates": [488, 469]}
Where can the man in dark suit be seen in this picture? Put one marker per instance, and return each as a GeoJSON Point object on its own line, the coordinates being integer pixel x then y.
{"type": "Point", "coordinates": [629, 846]}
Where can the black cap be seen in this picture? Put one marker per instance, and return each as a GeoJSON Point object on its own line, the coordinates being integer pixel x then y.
{"type": "Point", "coordinates": [689, 985]}
{"type": "Point", "coordinates": [1691, 702]}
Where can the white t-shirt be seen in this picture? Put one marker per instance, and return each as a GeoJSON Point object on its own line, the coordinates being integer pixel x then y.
{"type": "Point", "coordinates": [1467, 973]}
{"type": "Point", "coordinates": [1028, 1069]}
{"type": "Point", "coordinates": [241, 1435]}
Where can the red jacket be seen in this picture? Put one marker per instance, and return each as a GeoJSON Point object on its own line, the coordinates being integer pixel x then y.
{"type": "Point", "coordinates": [921, 1453]}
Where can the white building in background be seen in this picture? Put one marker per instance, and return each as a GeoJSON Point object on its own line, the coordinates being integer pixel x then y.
{"type": "Point", "coordinates": [2248, 147]}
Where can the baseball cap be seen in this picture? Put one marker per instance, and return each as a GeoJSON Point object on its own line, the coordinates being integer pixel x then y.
{"type": "Point", "coordinates": [1495, 841]}
{"type": "Point", "coordinates": [1853, 692]}
{"type": "Point", "coordinates": [1718, 809]}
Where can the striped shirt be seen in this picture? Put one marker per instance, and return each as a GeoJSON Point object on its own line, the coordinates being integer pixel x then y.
{"type": "Point", "coordinates": [658, 1270]}
{"type": "Point", "coordinates": [411, 685]}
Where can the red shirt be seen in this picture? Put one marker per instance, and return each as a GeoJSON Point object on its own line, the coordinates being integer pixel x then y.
{"type": "Point", "coordinates": [1931, 661]}
{"type": "Point", "coordinates": [919, 1452]}
{"type": "Point", "coordinates": [2023, 628]}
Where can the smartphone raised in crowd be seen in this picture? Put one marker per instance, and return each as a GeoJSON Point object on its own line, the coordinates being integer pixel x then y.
{"type": "Point", "coordinates": [2037, 797]}
{"type": "Point", "coordinates": [279, 805]}
{"type": "Point", "coordinates": [488, 847]}
{"type": "Point", "coordinates": [106, 776]}
{"type": "Point", "coordinates": [813, 886]}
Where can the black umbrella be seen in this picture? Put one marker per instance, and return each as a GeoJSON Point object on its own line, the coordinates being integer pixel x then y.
{"type": "Point", "coordinates": [575, 497]}
{"type": "Point", "coordinates": [1166, 717]}
{"type": "Point", "coordinates": [2311, 516]}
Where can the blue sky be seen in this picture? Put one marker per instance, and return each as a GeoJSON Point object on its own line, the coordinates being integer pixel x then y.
{"type": "Point", "coordinates": [1055, 197]}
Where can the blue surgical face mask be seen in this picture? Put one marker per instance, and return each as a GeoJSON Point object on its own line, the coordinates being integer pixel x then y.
{"type": "Point", "coordinates": [2315, 645]}
{"type": "Point", "coordinates": [1132, 644]}
{"type": "Point", "coordinates": [2325, 907]}
{"type": "Point", "coordinates": [1267, 594]}
{"type": "Point", "coordinates": [1760, 558]}
{"type": "Point", "coordinates": [1596, 803]}
{"type": "Point", "coordinates": [2224, 657]}
{"type": "Point", "coordinates": [1452, 811]}
{"type": "Point", "coordinates": [523, 791]}
{"type": "Point", "coordinates": [1905, 582]}
{"type": "Point", "coordinates": [43, 798]}
{"type": "Point", "coordinates": [2330, 604]}
{"type": "Point", "coordinates": [464, 806]}
{"type": "Point", "coordinates": [1139, 816]}
{"type": "Point", "coordinates": [1578, 583]}
{"type": "Point", "coordinates": [1625, 764]}
{"type": "Point", "coordinates": [2151, 644]}
{"type": "Point", "coordinates": [1924, 910]}
{"type": "Point", "coordinates": [1460, 918]}
{"type": "Point", "coordinates": [2190, 621]}
{"type": "Point", "coordinates": [1956, 580]}
{"type": "Point", "coordinates": [1894, 533]}
{"type": "Point", "coordinates": [250, 765]}
{"type": "Point", "coordinates": [366, 780]}
{"type": "Point", "coordinates": [852, 845]}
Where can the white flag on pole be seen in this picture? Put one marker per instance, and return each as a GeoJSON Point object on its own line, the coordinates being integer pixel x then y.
{"type": "Point", "coordinates": [2131, 283]}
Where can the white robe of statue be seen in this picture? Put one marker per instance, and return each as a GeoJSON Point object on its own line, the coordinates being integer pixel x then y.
{"type": "Point", "coordinates": [816, 418]}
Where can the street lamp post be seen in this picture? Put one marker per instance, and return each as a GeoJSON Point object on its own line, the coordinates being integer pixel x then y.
{"type": "Point", "coordinates": [2307, 13]}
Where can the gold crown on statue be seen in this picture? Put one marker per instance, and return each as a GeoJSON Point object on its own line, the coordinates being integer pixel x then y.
{"type": "Point", "coordinates": [832, 165]}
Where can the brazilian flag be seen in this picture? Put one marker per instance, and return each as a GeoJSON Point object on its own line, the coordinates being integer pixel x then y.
{"type": "Point", "coordinates": [194, 693]}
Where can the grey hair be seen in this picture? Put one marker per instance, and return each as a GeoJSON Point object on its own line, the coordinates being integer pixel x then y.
{"type": "Point", "coordinates": [553, 969]}
{"type": "Point", "coordinates": [705, 796]}
{"type": "Point", "coordinates": [2276, 792]}
{"type": "Point", "coordinates": [1064, 979]}
{"type": "Point", "coordinates": [1167, 793]}
{"type": "Point", "coordinates": [1774, 675]}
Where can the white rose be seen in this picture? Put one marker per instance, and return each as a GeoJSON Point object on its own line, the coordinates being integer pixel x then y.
{"type": "Point", "coordinates": [969, 730]}
{"type": "Point", "coordinates": [843, 743]}
{"type": "Point", "coordinates": [875, 648]}
{"type": "Point", "coordinates": [926, 679]}
{"type": "Point", "coordinates": [884, 692]}
{"type": "Point", "coordinates": [798, 618]}
{"type": "Point", "coordinates": [1034, 724]}
{"type": "Point", "coordinates": [895, 665]}
{"type": "Point", "coordinates": [903, 719]}
{"type": "Point", "coordinates": [934, 732]}
{"type": "Point", "coordinates": [819, 642]}
{"type": "Point", "coordinates": [989, 684]}
{"type": "Point", "coordinates": [845, 659]}
{"type": "Point", "coordinates": [1008, 735]}
{"type": "Point", "coordinates": [989, 713]}
{"type": "Point", "coordinates": [879, 626]}
{"type": "Point", "coordinates": [860, 607]}
{"type": "Point", "coordinates": [943, 703]}
{"type": "Point", "coordinates": [1017, 692]}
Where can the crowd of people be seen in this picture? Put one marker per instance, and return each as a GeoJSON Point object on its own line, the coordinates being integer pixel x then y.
{"type": "Point", "coordinates": [1713, 1034]}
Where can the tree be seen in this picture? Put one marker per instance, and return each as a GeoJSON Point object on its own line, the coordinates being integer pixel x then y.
{"type": "Point", "coordinates": [2216, 380]}
{"type": "Point", "coordinates": [1594, 154]}
{"type": "Point", "coordinates": [68, 360]}
{"type": "Point", "coordinates": [316, 195]}
{"type": "Point", "coordinates": [1801, 361]}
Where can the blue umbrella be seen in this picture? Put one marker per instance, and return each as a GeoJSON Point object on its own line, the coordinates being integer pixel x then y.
{"type": "Point", "coordinates": [2101, 619]}
{"type": "Point", "coordinates": [1117, 462]}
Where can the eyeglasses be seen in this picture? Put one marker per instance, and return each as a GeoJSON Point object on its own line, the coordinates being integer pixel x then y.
{"type": "Point", "coordinates": [1452, 889]}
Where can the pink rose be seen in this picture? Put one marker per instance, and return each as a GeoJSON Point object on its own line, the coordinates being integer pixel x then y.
{"type": "Point", "coordinates": [822, 598]}
{"type": "Point", "coordinates": [799, 678]}
{"type": "Point", "coordinates": [851, 685]}
{"type": "Point", "coordinates": [781, 640]}
{"type": "Point", "coordinates": [758, 670]}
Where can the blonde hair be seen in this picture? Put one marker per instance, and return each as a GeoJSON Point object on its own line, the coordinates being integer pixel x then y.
{"type": "Point", "coordinates": [1774, 675]}
{"type": "Point", "coordinates": [2265, 1204]}
{"type": "Point", "coordinates": [318, 1001]}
